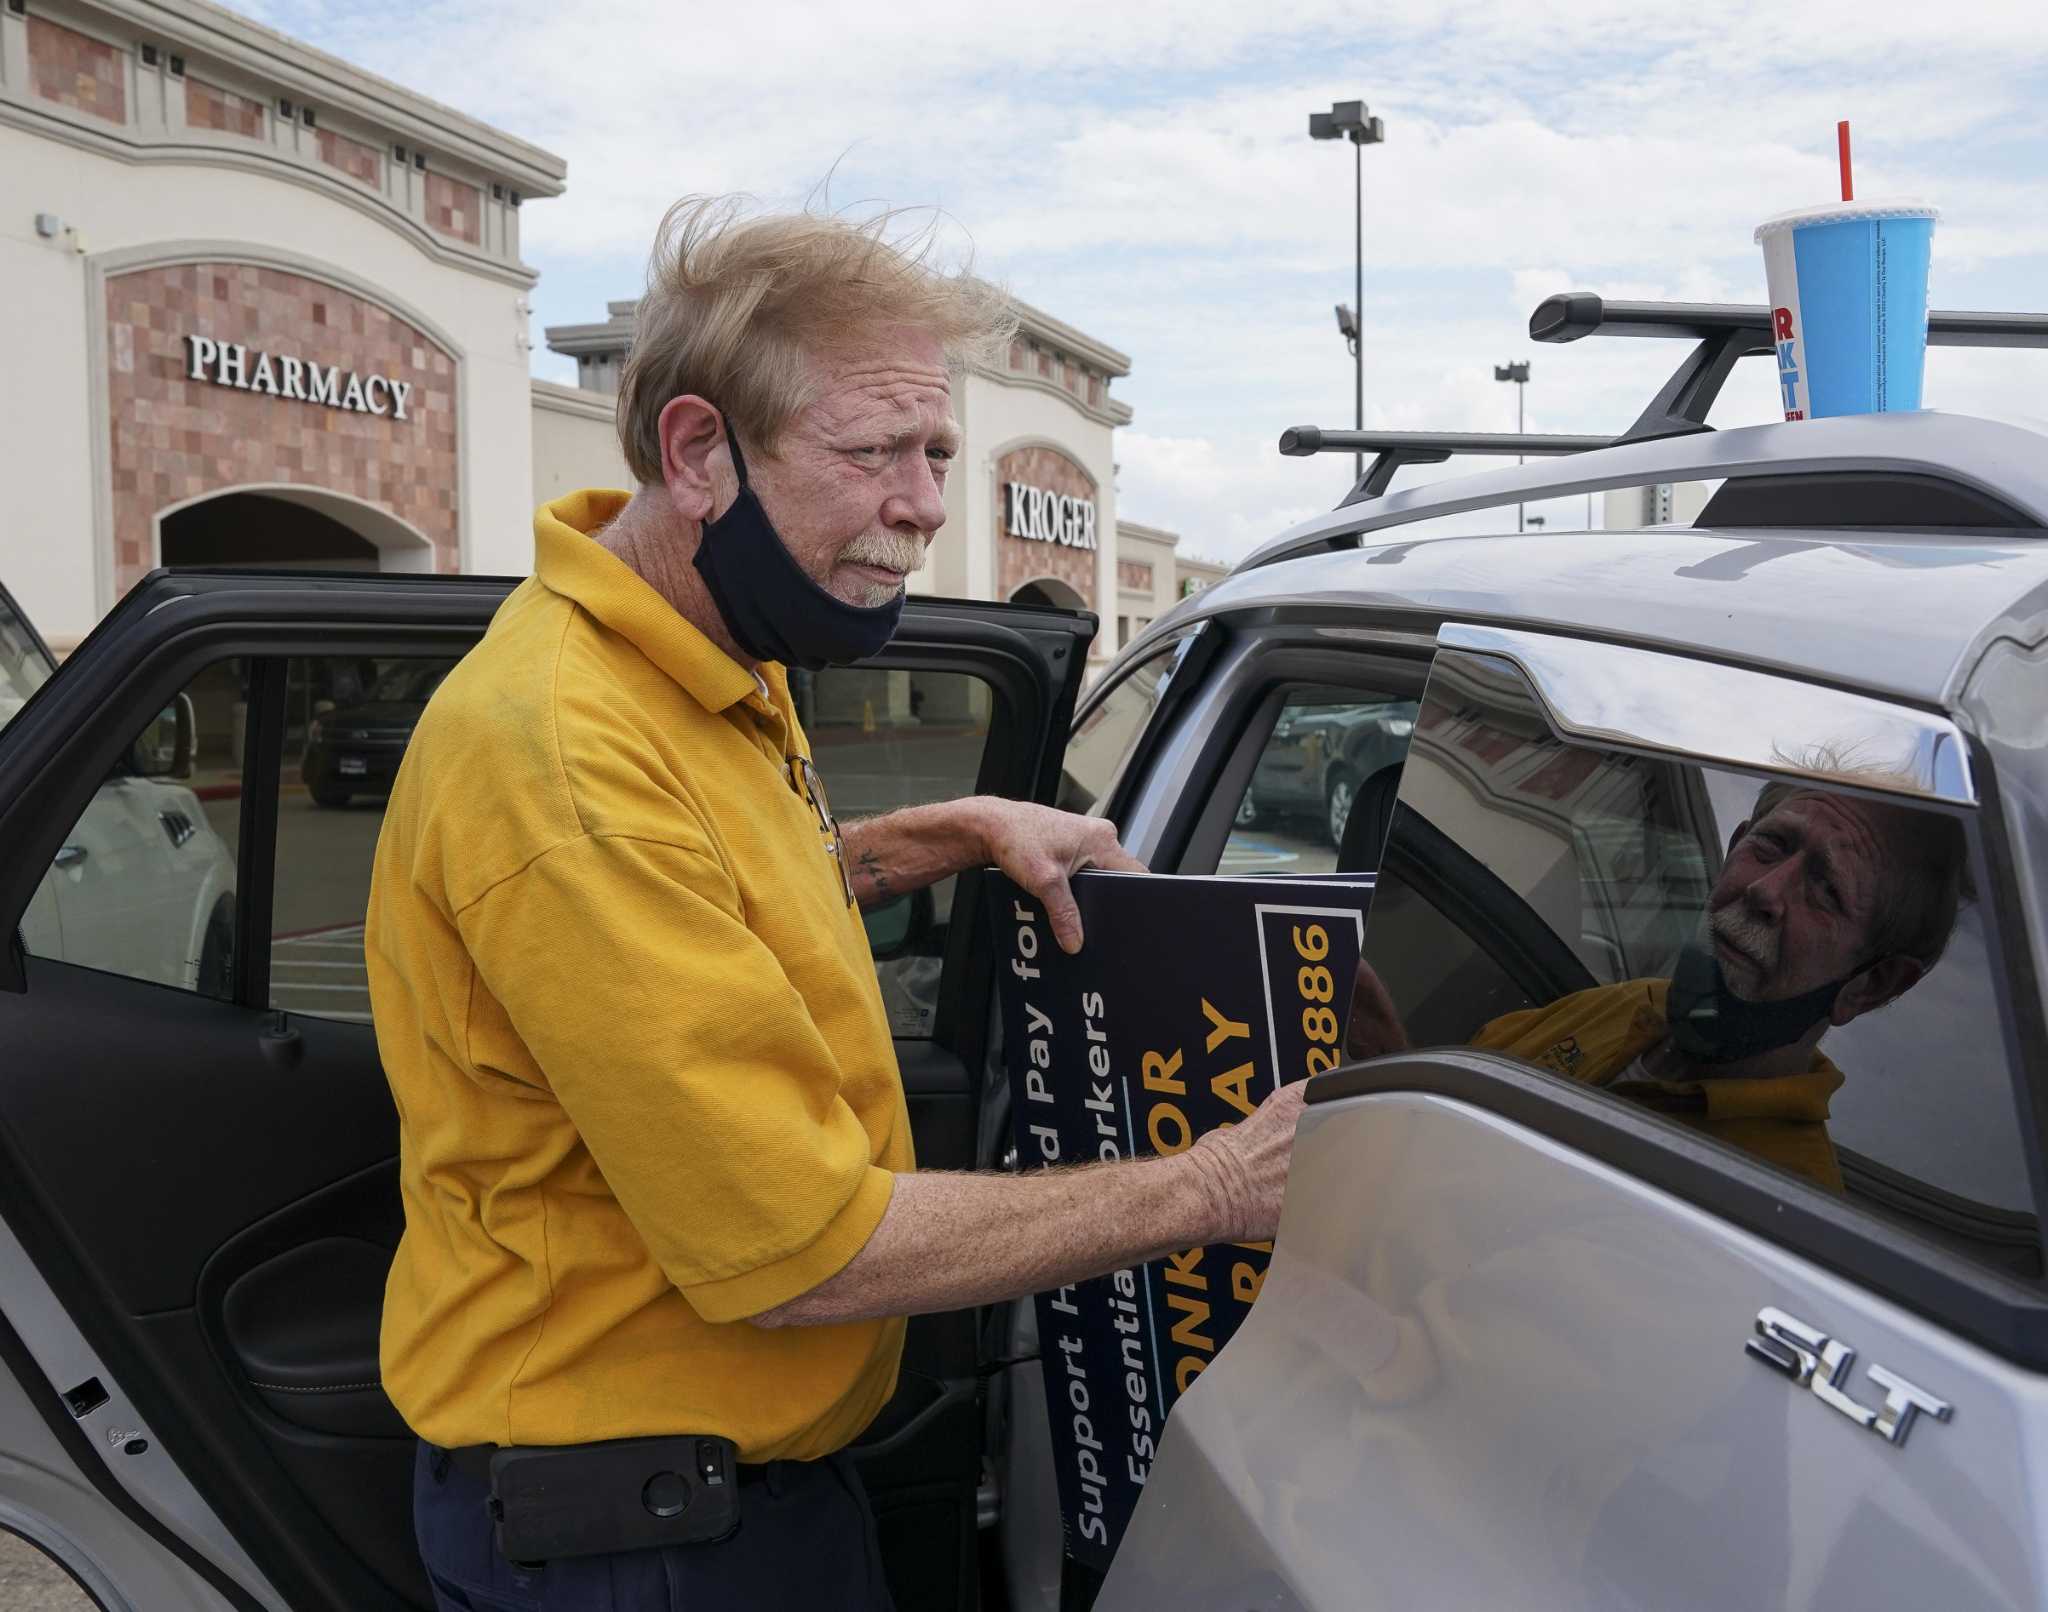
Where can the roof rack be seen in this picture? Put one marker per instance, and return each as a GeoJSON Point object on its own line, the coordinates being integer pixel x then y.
{"type": "Point", "coordinates": [1397, 448]}
{"type": "Point", "coordinates": [1725, 332]}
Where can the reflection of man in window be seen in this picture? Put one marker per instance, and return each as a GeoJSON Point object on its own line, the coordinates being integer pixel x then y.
{"type": "Point", "coordinates": [1827, 908]}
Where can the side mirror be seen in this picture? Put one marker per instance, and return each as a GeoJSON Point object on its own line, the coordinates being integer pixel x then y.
{"type": "Point", "coordinates": [165, 748]}
{"type": "Point", "coordinates": [897, 928]}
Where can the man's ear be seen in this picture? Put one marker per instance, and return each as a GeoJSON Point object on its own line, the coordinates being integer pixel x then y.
{"type": "Point", "coordinates": [692, 435]}
{"type": "Point", "coordinates": [1872, 987]}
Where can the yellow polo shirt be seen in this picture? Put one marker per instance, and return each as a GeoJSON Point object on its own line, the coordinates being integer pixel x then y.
{"type": "Point", "coordinates": [645, 1083]}
{"type": "Point", "coordinates": [1593, 1036]}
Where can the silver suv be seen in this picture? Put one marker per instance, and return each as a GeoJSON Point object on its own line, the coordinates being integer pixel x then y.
{"type": "Point", "coordinates": [1554, 1318]}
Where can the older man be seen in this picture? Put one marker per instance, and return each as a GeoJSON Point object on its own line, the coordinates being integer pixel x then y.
{"type": "Point", "coordinates": [1828, 906]}
{"type": "Point", "coordinates": [655, 1158]}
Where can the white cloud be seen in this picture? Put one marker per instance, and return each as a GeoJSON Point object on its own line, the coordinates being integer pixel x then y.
{"type": "Point", "coordinates": [1143, 171]}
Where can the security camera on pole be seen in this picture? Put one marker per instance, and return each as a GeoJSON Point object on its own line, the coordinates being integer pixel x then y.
{"type": "Point", "coordinates": [1347, 120]}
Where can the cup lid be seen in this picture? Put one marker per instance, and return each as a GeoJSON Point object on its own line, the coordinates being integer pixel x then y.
{"type": "Point", "coordinates": [1848, 212]}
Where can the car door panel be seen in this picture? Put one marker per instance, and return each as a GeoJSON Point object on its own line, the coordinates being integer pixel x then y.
{"type": "Point", "coordinates": [209, 1186]}
{"type": "Point", "coordinates": [1539, 1364]}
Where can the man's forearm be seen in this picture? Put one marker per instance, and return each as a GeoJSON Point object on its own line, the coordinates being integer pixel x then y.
{"type": "Point", "coordinates": [902, 851]}
{"type": "Point", "coordinates": [951, 1240]}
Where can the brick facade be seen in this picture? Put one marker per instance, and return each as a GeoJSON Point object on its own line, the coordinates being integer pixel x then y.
{"type": "Point", "coordinates": [1020, 560]}
{"type": "Point", "coordinates": [173, 439]}
{"type": "Point", "coordinates": [1136, 574]}
{"type": "Point", "coordinates": [77, 70]}
{"type": "Point", "coordinates": [207, 106]}
{"type": "Point", "coordinates": [454, 208]}
{"type": "Point", "coordinates": [352, 157]}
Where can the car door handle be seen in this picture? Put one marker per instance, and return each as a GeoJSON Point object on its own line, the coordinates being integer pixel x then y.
{"type": "Point", "coordinates": [69, 857]}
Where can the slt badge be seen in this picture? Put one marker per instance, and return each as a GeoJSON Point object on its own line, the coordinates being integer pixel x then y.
{"type": "Point", "coordinates": [1814, 1360]}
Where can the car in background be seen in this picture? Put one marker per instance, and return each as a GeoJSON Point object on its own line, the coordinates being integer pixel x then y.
{"type": "Point", "coordinates": [1320, 755]}
{"type": "Point", "coordinates": [143, 881]}
{"type": "Point", "coordinates": [355, 749]}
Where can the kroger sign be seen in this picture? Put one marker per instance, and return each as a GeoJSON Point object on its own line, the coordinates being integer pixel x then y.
{"type": "Point", "coordinates": [1040, 516]}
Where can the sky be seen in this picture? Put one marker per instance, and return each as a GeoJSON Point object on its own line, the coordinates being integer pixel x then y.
{"type": "Point", "coordinates": [1144, 172]}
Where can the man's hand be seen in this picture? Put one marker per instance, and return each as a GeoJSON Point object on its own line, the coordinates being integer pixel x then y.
{"type": "Point", "coordinates": [1042, 849]}
{"type": "Point", "coordinates": [1245, 1167]}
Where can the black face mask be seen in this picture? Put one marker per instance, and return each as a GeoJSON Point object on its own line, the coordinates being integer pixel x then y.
{"type": "Point", "coordinates": [771, 608]}
{"type": "Point", "coordinates": [1710, 1023]}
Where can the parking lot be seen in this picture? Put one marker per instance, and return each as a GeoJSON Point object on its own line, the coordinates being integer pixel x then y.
{"type": "Point", "coordinates": [1288, 847]}
{"type": "Point", "coordinates": [31, 1582]}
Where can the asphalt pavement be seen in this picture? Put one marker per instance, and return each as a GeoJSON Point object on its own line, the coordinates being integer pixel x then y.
{"type": "Point", "coordinates": [1289, 847]}
{"type": "Point", "coordinates": [31, 1582]}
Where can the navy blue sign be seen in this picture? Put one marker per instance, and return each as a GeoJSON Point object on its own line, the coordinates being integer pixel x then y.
{"type": "Point", "coordinates": [1191, 998]}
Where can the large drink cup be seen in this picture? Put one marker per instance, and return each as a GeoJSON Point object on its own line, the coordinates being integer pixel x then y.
{"type": "Point", "coordinates": [1848, 286]}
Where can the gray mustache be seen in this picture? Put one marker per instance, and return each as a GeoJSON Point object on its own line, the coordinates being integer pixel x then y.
{"type": "Point", "coordinates": [1746, 934]}
{"type": "Point", "coordinates": [905, 554]}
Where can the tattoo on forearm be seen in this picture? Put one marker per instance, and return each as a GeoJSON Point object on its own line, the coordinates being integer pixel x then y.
{"type": "Point", "coordinates": [871, 865]}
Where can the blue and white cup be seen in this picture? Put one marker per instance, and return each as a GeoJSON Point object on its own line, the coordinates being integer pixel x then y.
{"type": "Point", "coordinates": [1848, 285]}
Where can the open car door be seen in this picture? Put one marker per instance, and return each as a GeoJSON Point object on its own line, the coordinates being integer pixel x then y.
{"type": "Point", "coordinates": [197, 1144]}
{"type": "Point", "coordinates": [1555, 1320]}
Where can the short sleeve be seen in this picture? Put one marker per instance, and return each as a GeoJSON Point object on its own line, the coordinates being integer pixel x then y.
{"type": "Point", "coordinates": [1497, 1035]}
{"type": "Point", "coordinates": [687, 1062]}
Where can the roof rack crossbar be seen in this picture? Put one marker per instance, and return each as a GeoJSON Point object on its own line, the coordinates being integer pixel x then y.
{"type": "Point", "coordinates": [1393, 449]}
{"type": "Point", "coordinates": [1576, 314]}
{"type": "Point", "coordinates": [1727, 331]}
{"type": "Point", "coordinates": [1724, 331]}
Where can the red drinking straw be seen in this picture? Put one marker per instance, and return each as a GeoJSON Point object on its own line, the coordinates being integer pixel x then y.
{"type": "Point", "coordinates": [1842, 140]}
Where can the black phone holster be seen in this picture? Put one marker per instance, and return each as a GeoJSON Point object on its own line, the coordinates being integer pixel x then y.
{"type": "Point", "coordinates": [623, 1494]}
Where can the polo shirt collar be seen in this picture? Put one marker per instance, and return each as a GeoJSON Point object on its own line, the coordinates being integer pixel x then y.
{"type": "Point", "coordinates": [568, 561]}
{"type": "Point", "coordinates": [1802, 1097]}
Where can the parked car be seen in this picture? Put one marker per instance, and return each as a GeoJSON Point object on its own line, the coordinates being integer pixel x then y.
{"type": "Point", "coordinates": [1524, 1340]}
{"type": "Point", "coordinates": [1319, 755]}
{"type": "Point", "coordinates": [355, 749]}
{"type": "Point", "coordinates": [142, 883]}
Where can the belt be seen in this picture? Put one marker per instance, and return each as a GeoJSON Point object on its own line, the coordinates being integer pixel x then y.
{"type": "Point", "coordinates": [474, 1461]}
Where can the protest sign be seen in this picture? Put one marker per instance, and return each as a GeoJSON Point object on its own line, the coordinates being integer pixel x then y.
{"type": "Point", "coordinates": [1190, 998]}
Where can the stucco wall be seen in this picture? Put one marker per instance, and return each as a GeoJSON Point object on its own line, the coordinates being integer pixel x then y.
{"type": "Point", "coordinates": [174, 438]}
{"type": "Point", "coordinates": [999, 419]}
{"type": "Point", "coordinates": [61, 566]}
{"type": "Point", "coordinates": [575, 443]}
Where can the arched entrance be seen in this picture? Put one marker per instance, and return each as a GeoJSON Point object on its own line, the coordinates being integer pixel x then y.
{"type": "Point", "coordinates": [279, 529]}
{"type": "Point", "coordinates": [1050, 592]}
{"type": "Point", "coordinates": [289, 529]}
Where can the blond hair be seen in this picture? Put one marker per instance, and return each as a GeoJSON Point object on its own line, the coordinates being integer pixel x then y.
{"type": "Point", "coordinates": [736, 307]}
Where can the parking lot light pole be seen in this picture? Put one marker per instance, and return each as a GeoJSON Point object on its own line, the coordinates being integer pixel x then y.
{"type": "Point", "coordinates": [1519, 374]}
{"type": "Point", "coordinates": [1348, 120]}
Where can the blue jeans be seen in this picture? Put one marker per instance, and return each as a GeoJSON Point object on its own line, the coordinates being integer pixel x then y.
{"type": "Point", "coordinates": [806, 1540]}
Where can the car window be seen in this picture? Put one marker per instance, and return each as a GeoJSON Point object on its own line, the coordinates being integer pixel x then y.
{"type": "Point", "coordinates": [144, 882]}
{"type": "Point", "coordinates": [348, 720]}
{"type": "Point", "coordinates": [1791, 965]}
{"type": "Point", "coordinates": [883, 739]}
{"type": "Point", "coordinates": [1328, 749]}
{"type": "Point", "coordinates": [1103, 741]}
{"type": "Point", "coordinates": [24, 667]}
